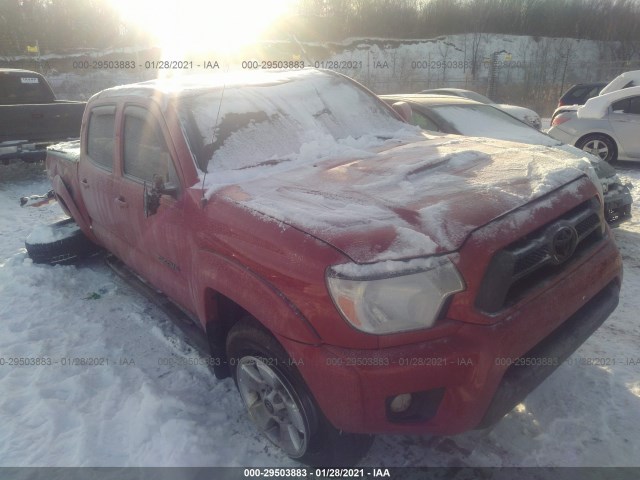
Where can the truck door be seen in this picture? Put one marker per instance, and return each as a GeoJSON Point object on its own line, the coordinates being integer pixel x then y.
{"type": "Point", "coordinates": [158, 244]}
{"type": "Point", "coordinates": [96, 173]}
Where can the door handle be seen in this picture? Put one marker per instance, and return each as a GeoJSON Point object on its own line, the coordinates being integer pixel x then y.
{"type": "Point", "coordinates": [121, 202]}
{"type": "Point", "coordinates": [85, 183]}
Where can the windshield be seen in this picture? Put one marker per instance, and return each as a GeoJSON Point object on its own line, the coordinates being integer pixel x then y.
{"type": "Point", "coordinates": [487, 121]}
{"type": "Point", "coordinates": [270, 123]}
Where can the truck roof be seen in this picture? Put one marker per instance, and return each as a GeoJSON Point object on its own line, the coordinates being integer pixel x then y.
{"type": "Point", "coordinates": [18, 71]}
{"type": "Point", "coordinates": [194, 84]}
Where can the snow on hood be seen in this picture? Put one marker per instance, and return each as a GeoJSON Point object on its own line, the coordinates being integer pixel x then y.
{"type": "Point", "coordinates": [598, 107]}
{"type": "Point", "coordinates": [518, 112]}
{"type": "Point", "coordinates": [401, 199]}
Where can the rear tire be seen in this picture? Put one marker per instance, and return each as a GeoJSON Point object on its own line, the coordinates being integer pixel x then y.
{"type": "Point", "coordinates": [280, 404]}
{"type": "Point", "coordinates": [59, 243]}
{"type": "Point", "coordinates": [599, 145]}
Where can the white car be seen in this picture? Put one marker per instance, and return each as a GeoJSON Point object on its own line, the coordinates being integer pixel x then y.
{"type": "Point", "coordinates": [607, 125]}
{"type": "Point", "coordinates": [521, 113]}
{"type": "Point", "coordinates": [626, 80]}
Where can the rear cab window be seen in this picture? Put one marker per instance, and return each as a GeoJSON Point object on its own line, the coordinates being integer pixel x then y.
{"type": "Point", "coordinates": [24, 88]}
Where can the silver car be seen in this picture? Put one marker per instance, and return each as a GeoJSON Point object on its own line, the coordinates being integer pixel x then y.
{"type": "Point", "coordinates": [607, 125]}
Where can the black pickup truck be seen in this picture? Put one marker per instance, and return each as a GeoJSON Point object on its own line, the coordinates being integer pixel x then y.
{"type": "Point", "coordinates": [31, 118]}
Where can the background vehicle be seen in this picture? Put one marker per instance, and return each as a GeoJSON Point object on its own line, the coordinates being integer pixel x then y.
{"type": "Point", "coordinates": [521, 113]}
{"type": "Point", "coordinates": [31, 118]}
{"type": "Point", "coordinates": [578, 94]}
{"type": "Point", "coordinates": [588, 91]}
{"type": "Point", "coordinates": [606, 126]}
{"type": "Point", "coordinates": [466, 117]}
{"type": "Point", "coordinates": [354, 275]}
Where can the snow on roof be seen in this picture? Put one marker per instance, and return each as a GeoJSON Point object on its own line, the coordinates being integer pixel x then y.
{"type": "Point", "coordinates": [597, 107]}
{"type": "Point", "coordinates": [187, 84]}
{"type": "Point", "coordinates": [621, 81]}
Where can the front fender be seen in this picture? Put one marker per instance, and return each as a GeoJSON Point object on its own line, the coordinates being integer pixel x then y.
{"type": "Point", "coordinates": [253, 293]}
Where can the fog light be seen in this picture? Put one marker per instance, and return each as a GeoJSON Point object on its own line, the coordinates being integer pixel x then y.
{"type": "Point", "coordinates": [401, 403]}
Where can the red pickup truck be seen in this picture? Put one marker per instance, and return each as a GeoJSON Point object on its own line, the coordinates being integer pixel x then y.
{"type": "Point", "coordinates": [354, 275]}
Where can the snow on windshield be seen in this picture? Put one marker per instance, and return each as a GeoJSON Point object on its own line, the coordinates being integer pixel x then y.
{"type": "Point", "coordinates": [309, 115]}
{"type": "Point", "coordinates": [486, 121]}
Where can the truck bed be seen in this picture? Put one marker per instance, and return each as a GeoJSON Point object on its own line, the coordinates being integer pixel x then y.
{"type": "Point", "coordinates": [50, 122]}
{"type": "Point", "coordinates": [26, 130]}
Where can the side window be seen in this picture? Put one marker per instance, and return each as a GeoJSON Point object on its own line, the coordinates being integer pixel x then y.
{"type": "Point", "coordinates": [100, 137]}
{"type": "Point", "coordinates": [145, 150]}
{"type": "Point", "coordinates": [621, 106]}
{"type": "Point", "coordinates": [424, 122]}
{"type": "Point", "coordinates": [628, 105]}
{"type": "Point", "coordinates": [634, 106]}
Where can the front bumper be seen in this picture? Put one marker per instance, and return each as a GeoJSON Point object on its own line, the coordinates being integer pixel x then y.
{"type": "Point", "coordinates": [617, 205]}
{"type": "Point", "coordinates": [561, 135]}
{"type": "Point", "coordinates": [466, 379]}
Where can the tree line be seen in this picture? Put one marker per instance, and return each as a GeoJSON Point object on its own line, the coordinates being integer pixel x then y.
{"type": "Point", "coordinates": [59, 25]}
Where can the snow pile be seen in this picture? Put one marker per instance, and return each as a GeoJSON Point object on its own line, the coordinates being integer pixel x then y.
{"type": "Point", "coordinates": [598, 107]}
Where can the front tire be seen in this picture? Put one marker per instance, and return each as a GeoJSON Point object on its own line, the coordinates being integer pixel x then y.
{"type": "Point", "coordinates": [281, 406]}
{"type": "Point", "coordinates": [599, 145]}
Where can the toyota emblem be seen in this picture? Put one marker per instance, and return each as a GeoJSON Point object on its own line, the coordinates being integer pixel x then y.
{"type": "Point", "coordinates": [563, 243]}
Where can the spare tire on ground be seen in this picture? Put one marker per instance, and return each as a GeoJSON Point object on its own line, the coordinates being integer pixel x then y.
{"type": "Point", "coordinates": [59, 243]}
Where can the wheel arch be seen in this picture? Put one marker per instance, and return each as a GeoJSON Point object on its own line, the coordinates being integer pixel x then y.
{"type": "Point", "coordinates": [66, 202]}
{"type": "Point", "coordinates": [221, 304]}
{"type": "Point", "coordinates": [598, 132]}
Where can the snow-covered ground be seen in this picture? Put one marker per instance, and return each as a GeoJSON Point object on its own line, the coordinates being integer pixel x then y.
{"type": "Point", "coordinates": [138, 411]}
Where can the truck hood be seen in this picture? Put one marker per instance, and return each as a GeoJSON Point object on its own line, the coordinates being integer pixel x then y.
{"type": "Point", "coordinates": [405, 200]}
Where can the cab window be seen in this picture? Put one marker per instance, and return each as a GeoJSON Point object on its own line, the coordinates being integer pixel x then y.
{"type": "Point", "coordinates": [100, 136]}
{"type": "Point", "coordinates": [145, 150]}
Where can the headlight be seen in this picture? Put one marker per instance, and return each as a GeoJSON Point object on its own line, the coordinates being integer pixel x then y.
{"type": "Point", "coordinates": [533, 120]}
{"type": "Point", "coordinates": [393, 297]}
{"type": "Point", "coordinates": [587, 168]}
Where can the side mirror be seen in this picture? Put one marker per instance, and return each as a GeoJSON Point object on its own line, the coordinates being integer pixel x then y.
{"type": "Point", "coordinates": [404, 110]}
{"type": "Point", "coordinates": [152, 195]}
